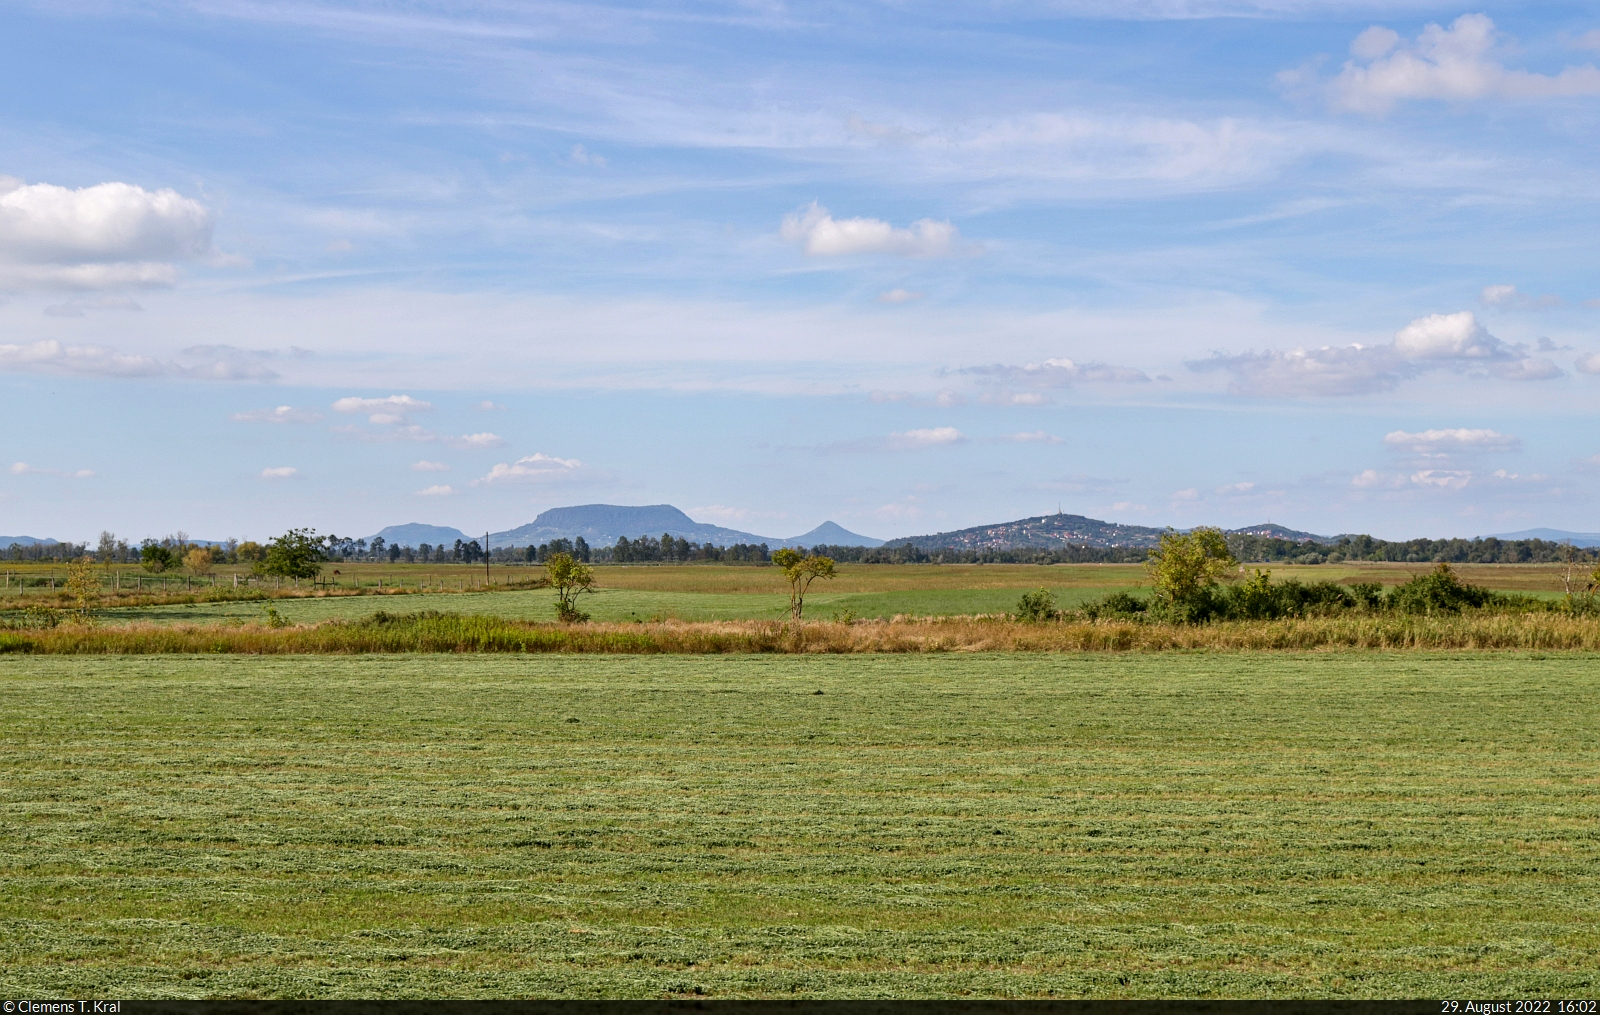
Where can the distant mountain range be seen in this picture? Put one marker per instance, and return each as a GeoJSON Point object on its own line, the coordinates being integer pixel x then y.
{"type": "Point", "coordinates": [1047, 532]}
{"type": "Point", "coordinates": [1552, 536]}
{"type": "Point", "coordinates": [603, 524]}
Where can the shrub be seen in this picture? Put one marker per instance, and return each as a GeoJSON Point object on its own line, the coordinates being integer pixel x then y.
{"type": "Point", "coordinates": [1037, 607]}
{"type": "Point", "coordinates": [1367, 594]}
{"type": "Point", "coordinates": [1116, 606]}
{"type": "Point", "coordinates": [1438, 591]}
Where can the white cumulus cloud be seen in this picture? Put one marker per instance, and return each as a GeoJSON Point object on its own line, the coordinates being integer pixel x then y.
{"type": "Point", "coordinates": [820, 234]}
{"type": "Point", "coordinates": [281, 472]}
{"type": "Point", "coordinates": [1436, 341]}
{"type": "Point", "coordinates": [393, 410]}
{"type": "Point", "coordinates": [537, 467]}
{"type": "Point", "coordinates": [1443, 479]}
{"type": "Point", "coordinates": [427, 466]}
{"type": "Point", "coordinates": [1589, 364]}
{"type": "Point", "coordinates": [104, 236]}
{"type": "Point", "coordinates": [50, 356]}
{"type": "Point", "coordinates": [438, 490]}
{"type": "Point", "coordinates": [1447, 336]}
{"type": "Point", "coordinates": [1506, 295]}
{"type": "Point", "coordinates": [1451, 64]}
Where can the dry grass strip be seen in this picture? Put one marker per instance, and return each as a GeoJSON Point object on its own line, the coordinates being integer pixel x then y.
{"type": "Point", "coordinates": [446, 632]}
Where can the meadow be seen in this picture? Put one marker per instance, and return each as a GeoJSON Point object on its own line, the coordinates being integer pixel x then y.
{"type": "Point", "coordinates": [1207, 825]}
{"type": "Point", "coordinates": [694, 592]}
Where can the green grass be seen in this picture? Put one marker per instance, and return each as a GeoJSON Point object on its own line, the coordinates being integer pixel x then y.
{"type": "Point", "coordinates": [1224, 825]}
{"type": "Point", "coordinates": [607, 605]}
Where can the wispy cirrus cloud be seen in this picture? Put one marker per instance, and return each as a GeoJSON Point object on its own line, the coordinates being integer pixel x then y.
{"type": "Point", "coordinates": [281, 414]}
{"type": "Point", "coordinates": [50, 356]}
{"type": "Point", "coordinates": [24, 469]}
{"type": "Point", "coordinates": [280, 472]}
{"type": "Point", "coordinates": [1061, 372]}
{"type": "Point", "coordinates": [1447, 442]}
{"type": "Point", "coordinates": [1032, 437]}
{"type": "Point", "coordinates": [919, 439]}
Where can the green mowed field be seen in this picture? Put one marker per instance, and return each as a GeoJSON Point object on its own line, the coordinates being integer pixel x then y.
{"type": "Point", "coordinates": [992, 825]}
{"type": "Point", "coordinates": [610, 605]}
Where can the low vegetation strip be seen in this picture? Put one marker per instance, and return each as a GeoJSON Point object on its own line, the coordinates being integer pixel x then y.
{"type": "Point", "coordinates": [459, 633]}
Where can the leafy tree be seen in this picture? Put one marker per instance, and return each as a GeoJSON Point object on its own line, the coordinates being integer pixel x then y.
{"type": "Point", "coordinates": [1038, 606]}
{"type": "Point", "coordinates": [250, 552]}
{"type": "Point", "coordinates": [580, 549]}
{"type": "Point", "coordinates": [800, 571]}
{"type": "Point", "coordinates": [570, 578]}
{"type": "Point", "coordinates": [156, 558]}
{"type": "Point", "coordinates": [1185, 569]}
{"type": "Point", "coordinates": [295, 554]}
{"type": "Point", "coordinates": [198, 560]}
{"type": "Point", "coordinates": [84, 583]}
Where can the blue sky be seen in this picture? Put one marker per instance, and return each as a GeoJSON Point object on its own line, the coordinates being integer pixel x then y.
{"type": "Point", "coordinates": [907, 266]}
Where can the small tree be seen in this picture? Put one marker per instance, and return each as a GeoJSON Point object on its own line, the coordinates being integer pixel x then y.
{"type": "Point", "coordinates": [1185, 568]}
{"type": "Point", "coordinates": [801, 571]}
{"type": "Point", "coordinates": [156, 558]}
{"type": "Point", "coordinates": [250, 552]}
{"type": "Point", "coordinates": [84, 583]}
{"type": "Point", "coordinates": [570, 578]}
{"type": "Point", "coordinates": [295, 554]}
{"type": "Point", "coordinates": [199, 560]}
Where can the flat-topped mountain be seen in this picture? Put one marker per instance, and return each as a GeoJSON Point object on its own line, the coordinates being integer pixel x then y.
{"type": "Point", "coordinates": [603, 524]}
{"type": "Point", "coordinates": [416, 533]}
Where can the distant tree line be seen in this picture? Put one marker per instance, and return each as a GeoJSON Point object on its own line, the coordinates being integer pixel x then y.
{"type": "Point", "coordinates": [1412, 551]}
{"type": "Point", "coordinates": [173, 551]}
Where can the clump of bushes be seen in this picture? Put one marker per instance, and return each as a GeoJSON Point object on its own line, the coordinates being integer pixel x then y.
{"type": "Point", "coordinates": [1037, 607]}
{"type": "Point", "coordinates": [1190, 579]}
